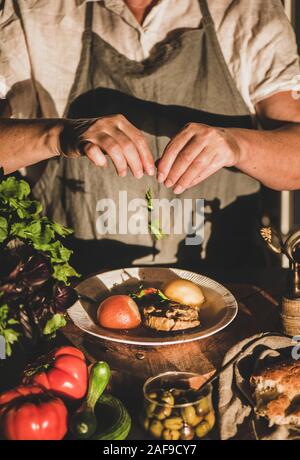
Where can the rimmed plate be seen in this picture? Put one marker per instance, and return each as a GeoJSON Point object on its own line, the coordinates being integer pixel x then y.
{"type": "Point", "coordinates": [218, 311]}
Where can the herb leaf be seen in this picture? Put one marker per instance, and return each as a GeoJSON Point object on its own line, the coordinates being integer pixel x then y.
{"type": "Point", "coordinates": [3, 229]}
{"type": "Point", "coordinates": [29, 280]}
{"type": "Point", "coordinates": [156, 230]}
{"type": "Point", "coordinates": [9, 333]}
{"type": "Point", "coordinates": [56, 322]}
{"type": "Point", "coordinates": [62, 272]}
{"type": "Point", "coordinates": [154, 225]}
{"type": "Point", "coordinates": [149, 198]}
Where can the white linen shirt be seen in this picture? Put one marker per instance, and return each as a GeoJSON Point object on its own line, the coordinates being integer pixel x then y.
{"type": "Point", "coordinates": [40, 45]}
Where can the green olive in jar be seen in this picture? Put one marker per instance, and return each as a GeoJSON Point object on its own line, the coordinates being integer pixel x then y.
{"type": "Point", "coordinates": [189, 416]}
{"type": "Point", "coordinates": [168, 398]}
{"type": "Point", "coordinates": [146, 423]}
{"type": "Point", "coordinates": [150, 409]}
{"type": "Point", "coordinates": [156, 428]}
{"type": "Point", "coordinates": [162, 412]}
{"type": "Point", "coordinates": [173, 423]}
{"type": "Point", "coordinates": [202, 429]}
{"type": "Point", "coordinates": [203, 406]}
{"type": "Point", "coordinates": [171, 435]}
{"type": "Point", "coordinates": [211, 419]}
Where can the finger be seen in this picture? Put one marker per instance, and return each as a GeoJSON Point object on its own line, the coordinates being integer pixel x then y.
{"type": "Point", "coordinates": [192, 179]}
{"type": "Point", "coordinates": [130, 152]}
{"type": "Point", "coordinates": [112, 148]}
{"type": "Point", "coordinates": [183, 161]}
{"type": "Point", "coordinates": [141, 145]}
{"type": "Point", "coordinates": [171, 152]}
{"type": "Point", "coordinates": [94, 153]}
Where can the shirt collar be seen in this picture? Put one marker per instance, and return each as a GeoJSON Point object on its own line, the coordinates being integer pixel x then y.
{"type": "Point", "coordinates": [119, 7]}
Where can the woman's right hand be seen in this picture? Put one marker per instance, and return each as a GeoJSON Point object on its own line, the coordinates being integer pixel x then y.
{"type": "Point", "coordinates": [115, 137]}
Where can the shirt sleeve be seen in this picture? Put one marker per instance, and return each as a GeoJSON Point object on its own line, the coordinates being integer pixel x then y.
{"type": "Point", "coordinates": [272, 50]}
{"type": "Point", "coordinates": [16, 83]}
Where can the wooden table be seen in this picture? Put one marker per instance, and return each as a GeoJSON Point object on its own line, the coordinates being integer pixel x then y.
{"type": "Point", "coordinates": [131, 365]}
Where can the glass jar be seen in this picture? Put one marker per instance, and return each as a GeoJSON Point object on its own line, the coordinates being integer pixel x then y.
{"type": "Point", "coordinates": [174, 409]}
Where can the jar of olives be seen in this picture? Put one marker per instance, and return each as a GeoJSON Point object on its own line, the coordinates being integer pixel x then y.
{"type": "Point", "coordinates": [174, 409]}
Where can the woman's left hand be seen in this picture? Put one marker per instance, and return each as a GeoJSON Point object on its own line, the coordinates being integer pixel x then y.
{"type": "Point", "coordinates": [195, 153]}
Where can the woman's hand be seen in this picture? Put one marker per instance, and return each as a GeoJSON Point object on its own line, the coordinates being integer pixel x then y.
{"type": "Point", "coordinates": [196, 153]}
{"type": "Point", "coordinates": [114, 136]}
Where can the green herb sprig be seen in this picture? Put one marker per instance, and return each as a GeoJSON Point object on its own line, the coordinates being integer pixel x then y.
{"type": "Point", "coordinates": [23, 227]}
{"type": "Point", "coordinates": [154, 225]}
{"type": "Point", "coordinates": [8, 329]}
{"type": "Point", "coordinates": [21, 219]}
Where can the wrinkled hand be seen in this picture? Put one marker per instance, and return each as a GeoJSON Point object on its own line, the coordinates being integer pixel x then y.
{"type": "Point", "coordinates": [195, 153]}
{"type": "Point", "coordinates": [114, 136]}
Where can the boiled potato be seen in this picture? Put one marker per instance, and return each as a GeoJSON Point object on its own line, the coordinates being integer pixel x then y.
{"type": "Point", "coordinates": [184, 292]}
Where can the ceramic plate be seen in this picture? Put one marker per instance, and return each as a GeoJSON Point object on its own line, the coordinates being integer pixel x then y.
{"type": "Point", "coordinates": [218, 311]}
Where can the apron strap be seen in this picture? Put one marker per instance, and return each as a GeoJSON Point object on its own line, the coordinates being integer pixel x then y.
{"type": "Point", "coordinates": [207, 18]}
{"type": "Point", "coordinates": [88, 22]}
{"type": "Point", "coordinates": [209, 25]}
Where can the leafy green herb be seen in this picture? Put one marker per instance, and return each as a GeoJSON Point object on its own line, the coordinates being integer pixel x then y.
{"type": "Point", "coordinates": [162, 295]}
{"type": "Point", "coordinates": [36, 273]}
{"type": "Point", "coordinates": [156, 230]}
{"type": "Point", "coordinates": [20, 218]}
{"type": "Point", "coordinates": [7, 329]}
{"type": "Point", "coordinates": [154, 225]}
{"type": "Point", "coordinates": [56, 322]}
{"type": "Point", "coordinates": [63, 272]}
{"type": "Point", "coordinates": [3, 229]}
{"type": "Point", "coordinates": [141, 292]}
{"type": "Point", "coordinates": [149, 198]}
{"type": "Point", "coordinates": [12, 188]}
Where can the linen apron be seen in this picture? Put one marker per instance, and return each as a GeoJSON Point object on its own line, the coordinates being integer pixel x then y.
{"type": "Point", "coordinates": [185, 79]}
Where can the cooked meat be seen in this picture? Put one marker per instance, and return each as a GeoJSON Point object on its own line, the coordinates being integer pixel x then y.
{"type": "Point", "coordinates": [183, 312]}
{"type": "Point", "coordinates": [171, 317]}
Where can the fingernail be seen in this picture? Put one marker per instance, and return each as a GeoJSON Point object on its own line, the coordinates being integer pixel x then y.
{"type": "Point", "coordinates": [168, 183]}
{"type": "Point", "coordinates": [160, 178]}
{"type": "Point", "coordinates": [122, 173]}
{"type": "Point", "coordinates": [102, 162]}
{"type": "Point", "coordinates": [139, 174]}
{"type": "Point", "coordinates": [151, 171]}
{"type": "Point", "coordinates": [178, 189]}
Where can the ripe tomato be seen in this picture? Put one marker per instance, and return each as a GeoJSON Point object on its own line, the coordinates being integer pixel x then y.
{"type": "Point", "coordinates": [33, 415]}
{"type": "Point", "coordinates": [17, 392]}
{"type": "Point", "coordinates": [64, 372]}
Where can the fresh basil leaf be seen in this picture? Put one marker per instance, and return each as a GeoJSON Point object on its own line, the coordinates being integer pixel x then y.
{"type": "Point", "coordinates": [56, 322]}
